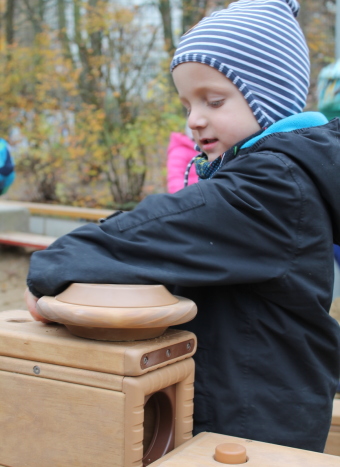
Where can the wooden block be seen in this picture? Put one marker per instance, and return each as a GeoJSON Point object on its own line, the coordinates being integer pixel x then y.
{"type": "Point", "coordinates": [22, 337]}
{"type": "Point", "coordinates": [47, 421]}
{"type": "Point", "coordinates": [199, 452]}
{"type": "Point", "coordinates": [68, 401]}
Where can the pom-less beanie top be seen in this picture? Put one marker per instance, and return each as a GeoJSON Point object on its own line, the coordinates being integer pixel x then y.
{"type": "Point", "coordinates": [259, 46]}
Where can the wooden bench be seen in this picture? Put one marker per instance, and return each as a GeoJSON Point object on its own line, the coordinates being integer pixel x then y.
{"type": "Point", "coordinates": [57, 210]}
{"type": "Point", "coordinates": [26, 240]}
{"type": "Point", "coordinates": [38, 241]}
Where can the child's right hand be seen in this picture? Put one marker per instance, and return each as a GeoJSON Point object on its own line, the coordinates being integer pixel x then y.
{"type": "Point", "coordinates": [31, 302]}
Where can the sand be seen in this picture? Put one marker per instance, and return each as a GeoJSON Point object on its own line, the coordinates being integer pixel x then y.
{"type": "Point", "coordinates": [14, 263]}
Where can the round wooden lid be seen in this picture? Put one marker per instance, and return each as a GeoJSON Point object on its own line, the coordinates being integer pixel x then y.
{"type": "Point", "coordinates": [117, 295]}
{"type": "Point", "coordinates": [117, 312]}
{"type": "Point", "coordinates": [230, 453]}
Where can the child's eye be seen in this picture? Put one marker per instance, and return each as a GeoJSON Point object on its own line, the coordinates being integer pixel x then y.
{"type": "Point", "coordinates": [216, 103]}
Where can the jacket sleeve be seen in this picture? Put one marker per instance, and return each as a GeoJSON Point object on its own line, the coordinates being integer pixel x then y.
{"type": "Point", "coordinates": [239, 227]}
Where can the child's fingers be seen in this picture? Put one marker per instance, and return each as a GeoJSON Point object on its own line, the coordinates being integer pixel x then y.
{"type": "Point", "coordinates": [31, 302]}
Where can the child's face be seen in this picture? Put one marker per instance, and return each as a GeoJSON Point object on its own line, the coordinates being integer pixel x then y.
{"type": "Point", "coordinates": [218, 114]}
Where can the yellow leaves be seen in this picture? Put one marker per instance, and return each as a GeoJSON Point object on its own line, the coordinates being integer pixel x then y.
{"type": "Point", "coordinates": [77, 152]}
{"type": "Point", "coordinates": [103, 16]}
{"type": "Point", "coordinates": [123, 16]}
{"type": "Point", "coordinates": [81, 130]}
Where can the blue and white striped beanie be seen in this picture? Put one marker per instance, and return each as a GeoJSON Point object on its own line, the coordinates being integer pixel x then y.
{"type": "Point", "coordinates": [259, 46]}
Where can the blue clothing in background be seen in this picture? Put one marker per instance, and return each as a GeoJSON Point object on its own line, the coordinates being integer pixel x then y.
{"type": "Point", "coordinates": [337, 254]}
{"type": "Point", "coordinates": [7, 174]}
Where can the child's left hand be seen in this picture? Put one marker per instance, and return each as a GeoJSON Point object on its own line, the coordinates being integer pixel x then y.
{"type": "Point", "coordinates": [31, 302]}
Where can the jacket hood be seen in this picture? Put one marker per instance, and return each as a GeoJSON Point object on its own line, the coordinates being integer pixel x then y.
{"type": "Point", "coordinates": [314, 147]}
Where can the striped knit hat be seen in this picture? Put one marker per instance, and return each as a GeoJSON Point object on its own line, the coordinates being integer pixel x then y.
{"type": "Point", "coordinates": [259, 46]}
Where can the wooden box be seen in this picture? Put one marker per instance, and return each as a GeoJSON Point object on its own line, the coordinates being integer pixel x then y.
{"type": "Point", "coordinates": [200, 450]}
{"type": "Point", "coordinates": [69, 401]}
{"type": "Point", "coordinates": [333, 440]}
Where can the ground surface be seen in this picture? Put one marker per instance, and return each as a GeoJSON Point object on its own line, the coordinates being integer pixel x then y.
{"type": "Point", "coordinates": [14, 264]}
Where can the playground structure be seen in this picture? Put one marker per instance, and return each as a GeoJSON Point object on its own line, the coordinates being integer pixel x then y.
{"type": "Point", "coordinates": [81, 402]}
{"type": "Point", "coordinates": [37, 225]}
{"type": "Point", "coordinates": [206, 448]}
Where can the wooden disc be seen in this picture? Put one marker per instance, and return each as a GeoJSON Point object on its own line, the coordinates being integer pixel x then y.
{"type": "Point", "coordinates": [117, 295]}
{"type": "Point", "coordinates": [131, 312]}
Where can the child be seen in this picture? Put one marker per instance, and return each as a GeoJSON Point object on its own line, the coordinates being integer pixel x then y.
{"type": "Point", "coordinates": [7, 174]}
{"type": "Point", "coordinates": [252, 244]}
{"type": "Point", "coordinates": [181, 151]}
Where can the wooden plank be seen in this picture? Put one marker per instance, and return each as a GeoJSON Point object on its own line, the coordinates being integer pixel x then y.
{"type": "Point", "coordinates": [25, 239]}
{"type": "Point", "coordinates": [62, 373]}
{"type": "Point", "coordinates": [200, 452]}
{"type": "Point", "coordinates": [22, 337]}
{"type": "Point", "coordinates": [58, 210]}
{"type": "Point", "coordinates": [53, 423]}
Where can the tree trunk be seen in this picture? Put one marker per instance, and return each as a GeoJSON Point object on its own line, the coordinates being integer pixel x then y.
{"type": "Point", "coordinates": [62, 29]}
{"type": "Point", "coordinates": [165, 11]}
{"type": "Point", "coordinates": [9, 18]}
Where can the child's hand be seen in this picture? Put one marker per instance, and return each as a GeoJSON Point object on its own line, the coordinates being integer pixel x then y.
{"type": "Point", "coordinates": [31, 302]}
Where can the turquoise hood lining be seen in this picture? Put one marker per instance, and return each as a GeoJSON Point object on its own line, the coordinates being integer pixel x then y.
{"type": "Point", "coordinates": [294, 122]}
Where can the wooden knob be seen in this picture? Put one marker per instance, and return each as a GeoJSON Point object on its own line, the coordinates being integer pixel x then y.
{"type": "Point", "coordinates": [230, 453]}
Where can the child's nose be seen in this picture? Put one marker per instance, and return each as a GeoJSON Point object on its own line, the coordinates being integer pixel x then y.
{"type": "Point", "coordinates": [196, 120]}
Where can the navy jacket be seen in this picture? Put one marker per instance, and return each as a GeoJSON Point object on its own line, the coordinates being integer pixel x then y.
{"type": "Point", "coordinates": [253, 247]}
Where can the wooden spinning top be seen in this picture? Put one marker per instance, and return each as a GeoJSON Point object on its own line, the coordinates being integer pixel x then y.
{"type": "Point", "coordinates": [115, 312]}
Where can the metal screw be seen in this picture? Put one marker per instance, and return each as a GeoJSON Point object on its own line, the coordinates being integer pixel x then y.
{"type": "Point", "coordinates": [145, 360]}
{"type": "Point", "coordinates": [36, 370]}
{"type": "Point", "coordinates": [168, 353]}
{"type": "Point", "coordinates": [188, 346]}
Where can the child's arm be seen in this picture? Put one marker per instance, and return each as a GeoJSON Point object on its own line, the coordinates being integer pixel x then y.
{"type": "Point", "coordinates": [234, 228]}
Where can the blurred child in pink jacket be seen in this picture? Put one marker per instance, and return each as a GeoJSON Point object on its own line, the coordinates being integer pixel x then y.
{"type": "Point", "coordinates": [181, 151]}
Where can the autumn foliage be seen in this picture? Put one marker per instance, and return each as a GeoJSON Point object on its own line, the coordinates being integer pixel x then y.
{"type": "Point", "coordinates": [86, 99]}
{"type": "Point", "coordinates": [88, 113]}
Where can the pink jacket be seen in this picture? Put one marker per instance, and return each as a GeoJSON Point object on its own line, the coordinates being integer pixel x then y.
{"type": "Point", "coordinates": [180, 152]}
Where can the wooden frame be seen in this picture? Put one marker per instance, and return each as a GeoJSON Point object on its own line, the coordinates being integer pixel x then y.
{"type": "Point", "coordinates": [68, 401]}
